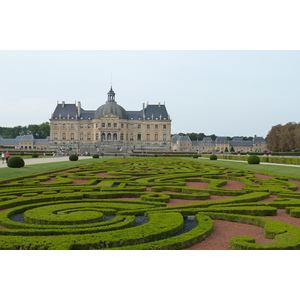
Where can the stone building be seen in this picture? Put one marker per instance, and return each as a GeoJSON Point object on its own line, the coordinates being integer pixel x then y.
{"type": "Point", "coordinates": [25, 142]}
{"type": "Point", "coordinates": [110, 127]}
{"type": "Point", "coordinates": [221, 144]}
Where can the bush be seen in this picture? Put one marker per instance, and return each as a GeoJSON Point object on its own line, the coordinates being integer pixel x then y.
{"type": "Point", "coordinates": [73, 157]}
{"type": "Point", "coordinates": [96, 155]}
{"type": "Point", "coordinates": [34, 155]}
{"type": "Point", "coordinates": [213, 157]}
{"type": "Point", "coordinates": [253, 159]}
{"type": "Point", "coordinates": [15, 162]}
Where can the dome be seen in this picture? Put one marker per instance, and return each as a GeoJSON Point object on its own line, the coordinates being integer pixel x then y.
{"type": "Point", "coordinates": [111, 108]}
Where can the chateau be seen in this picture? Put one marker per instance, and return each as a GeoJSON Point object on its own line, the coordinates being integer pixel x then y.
{"type": "Point", "coordinates": [110, 127]}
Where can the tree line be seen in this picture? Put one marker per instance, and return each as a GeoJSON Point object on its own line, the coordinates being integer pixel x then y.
{"type": "Point", "coordinates": [284, 137]}
{"type": "Point", "coordinates": [41, 131]}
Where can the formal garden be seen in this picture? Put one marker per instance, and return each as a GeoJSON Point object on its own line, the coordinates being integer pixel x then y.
{"type": "Point", "coordinates": [150, 203]}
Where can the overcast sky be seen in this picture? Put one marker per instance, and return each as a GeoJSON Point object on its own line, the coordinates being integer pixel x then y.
{"type": "Point", "coordinates": [214, 92]}
{"type": "Point", "coordinates": [154, 53]}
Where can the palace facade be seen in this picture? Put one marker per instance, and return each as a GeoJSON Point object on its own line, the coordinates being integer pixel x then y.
{"type": "Point", "coordinates": [110, 127]}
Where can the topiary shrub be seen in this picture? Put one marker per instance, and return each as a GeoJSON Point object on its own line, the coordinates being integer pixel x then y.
{"type": "Point", "coordinates": [73, 157]}
{"type": "Point", "coordinates": [96, 155]}
{"type": "Point", "coordinates": [195, 156]}
{"type": "Point", "coordinates": [253, 159]}
{"type": "Point", "coordinates": [213, 157]}
{"type": "Point", "coordinates": [15, 162]}
{"type": "Point", "coordinates": [34, 155]}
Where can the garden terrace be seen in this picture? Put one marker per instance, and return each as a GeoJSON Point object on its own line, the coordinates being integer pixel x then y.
{"type": "Point", "coordinates": [149, 203]}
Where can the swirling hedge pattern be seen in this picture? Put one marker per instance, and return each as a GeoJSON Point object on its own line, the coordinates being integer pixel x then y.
{"type": "Point", "coordinates": [122, 203]}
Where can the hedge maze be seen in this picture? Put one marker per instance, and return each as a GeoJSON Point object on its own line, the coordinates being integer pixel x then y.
{"type": "Point", "coordinates": [126, 203]}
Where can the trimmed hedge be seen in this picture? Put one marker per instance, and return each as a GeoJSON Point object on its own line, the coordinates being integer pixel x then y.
{"type": "Point", "coordinates": [15, 162]}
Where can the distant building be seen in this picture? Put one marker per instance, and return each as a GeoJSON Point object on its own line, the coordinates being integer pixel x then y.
{"type": "Point", "coordinates": [221, 144]}
{"type": "Point", "coordinates": [110, 127]}
{"type": "Point", "coordinates": [25, 142]}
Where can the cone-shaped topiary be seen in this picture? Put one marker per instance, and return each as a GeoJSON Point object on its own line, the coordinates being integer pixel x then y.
{"type": "Point", "coordinates": [213, 157]}
{"type": "Point", "coordinates": [73, 157]}
{"type": "Point", "coordinates": [253, 159]}
{"type": "Point", "coordinates": [15, 162]}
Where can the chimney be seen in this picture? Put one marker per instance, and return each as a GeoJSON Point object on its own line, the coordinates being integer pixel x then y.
{"type": "Point", "coordinates": [144, 111]}
{"type": "Point", "coordinates": [79, 109]}
{"type": "Point", "coordinates": [63, 104]}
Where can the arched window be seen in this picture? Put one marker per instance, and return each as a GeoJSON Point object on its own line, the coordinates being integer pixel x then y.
{"type": "Point", "coordinates": [109, 137]}
{"type": "Point", "coordinates": [115, 137]}
{"type": "Point", "coordinates": [102, 137]}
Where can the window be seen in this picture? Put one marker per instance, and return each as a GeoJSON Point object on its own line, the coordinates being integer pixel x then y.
{"type": "Point", "coordinates": [139, 126]}
{"type": "Point", "coordinates": [88, 136]}
{"type": "Point", "coordinates": [89, 126]}
{"type": "Point", "coordinates": [164, 126]}
{"type": "Point", "coordinates": [148, 137]}
{"type": "Point", "coordinates": [122, 125]}
{"type": "Point", "coordinates": [156, 137]}
{"type": "Point", "coordinates": [148, 126]}
{"type": "Point", "coordinates": [72, 136]}
{"type": "Point", "coordinates": [63, 125]}
{"type": "Point", "coordinates": [164, 137]}
{"type": "Point", "coordinates": [122, 136]}
{"type": "Point", "coordinates": [81, 125]}
{"type": "Point", "coordinates": [103, 124]}
{"type": "Point", "coordinates": [63, 136]}
{"type": "Point", "coordinates": [81, 136]}
{"type": "Point", "coordinates": [156, 126]}
{"type": "Point", "coordinates": [131, 137]}
{"type": "Point", "coordinates": [55, 126]}
{"type": "Point", "coordinates": [115, 125]}
{"type": "Point", "coordinates": [139, 136]}
{"type": "Point", "coordinates": [72, 126]}
{"type": "Point", "coordinates": [55, 136]}
{"type": "Point", "coordinates": [97, 137]}
{"type": "Point", "coordinates": [109, 125]}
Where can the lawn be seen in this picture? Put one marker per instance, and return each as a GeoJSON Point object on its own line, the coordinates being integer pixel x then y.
{"type": "Point", "coordinates": [261, 168]}
{"type": "Point", "coordinates": [39, 168]}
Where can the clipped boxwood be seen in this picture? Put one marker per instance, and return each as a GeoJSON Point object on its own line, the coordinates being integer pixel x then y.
{"type": "Point", "coordinates": [96, 155]}
{"type": "Point", "coordinates": [34, 155]}
{"type": "Point", "coordinates": [15, 162]}
{"type": "Point", "coordinates": [213, 157]}
{"type": "Point", "coordinates": [73, 157]}
{"type": "Point", "coordinates": [253, 160]}
{"type": "Point", "coordinates": [155, 197]}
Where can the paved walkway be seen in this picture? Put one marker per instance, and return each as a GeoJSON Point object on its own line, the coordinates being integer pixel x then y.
{"type": "Point", "coordinates": [42, 160]}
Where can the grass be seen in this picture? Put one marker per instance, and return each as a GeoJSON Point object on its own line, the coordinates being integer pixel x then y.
{"type": "Point", "coordinates": [6, 173]}
{"type": "Point", "coordinates": [261, 168]}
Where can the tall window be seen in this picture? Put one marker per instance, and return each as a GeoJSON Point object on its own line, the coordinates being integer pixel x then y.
{"type": "Point", "coordinates": [139, 137]}
{"type": "Point", "coordinates": [164, 137]}
{"type": "Point", "coordinates": [156, 137]}
{"type": "Point", "coordinates": [148, 137]}
{"type": "Point", "coordinates": [122, 136]}
{"type": "Point", "coordinates": [72, 136]}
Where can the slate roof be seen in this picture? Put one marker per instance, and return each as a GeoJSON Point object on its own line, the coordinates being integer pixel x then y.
{"type": "Point", "coordinates": [69, 111]}
{"type": "Point", "coordinates": [156, 112]}
{"type": "Point", "coordinates": [222, 140]}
